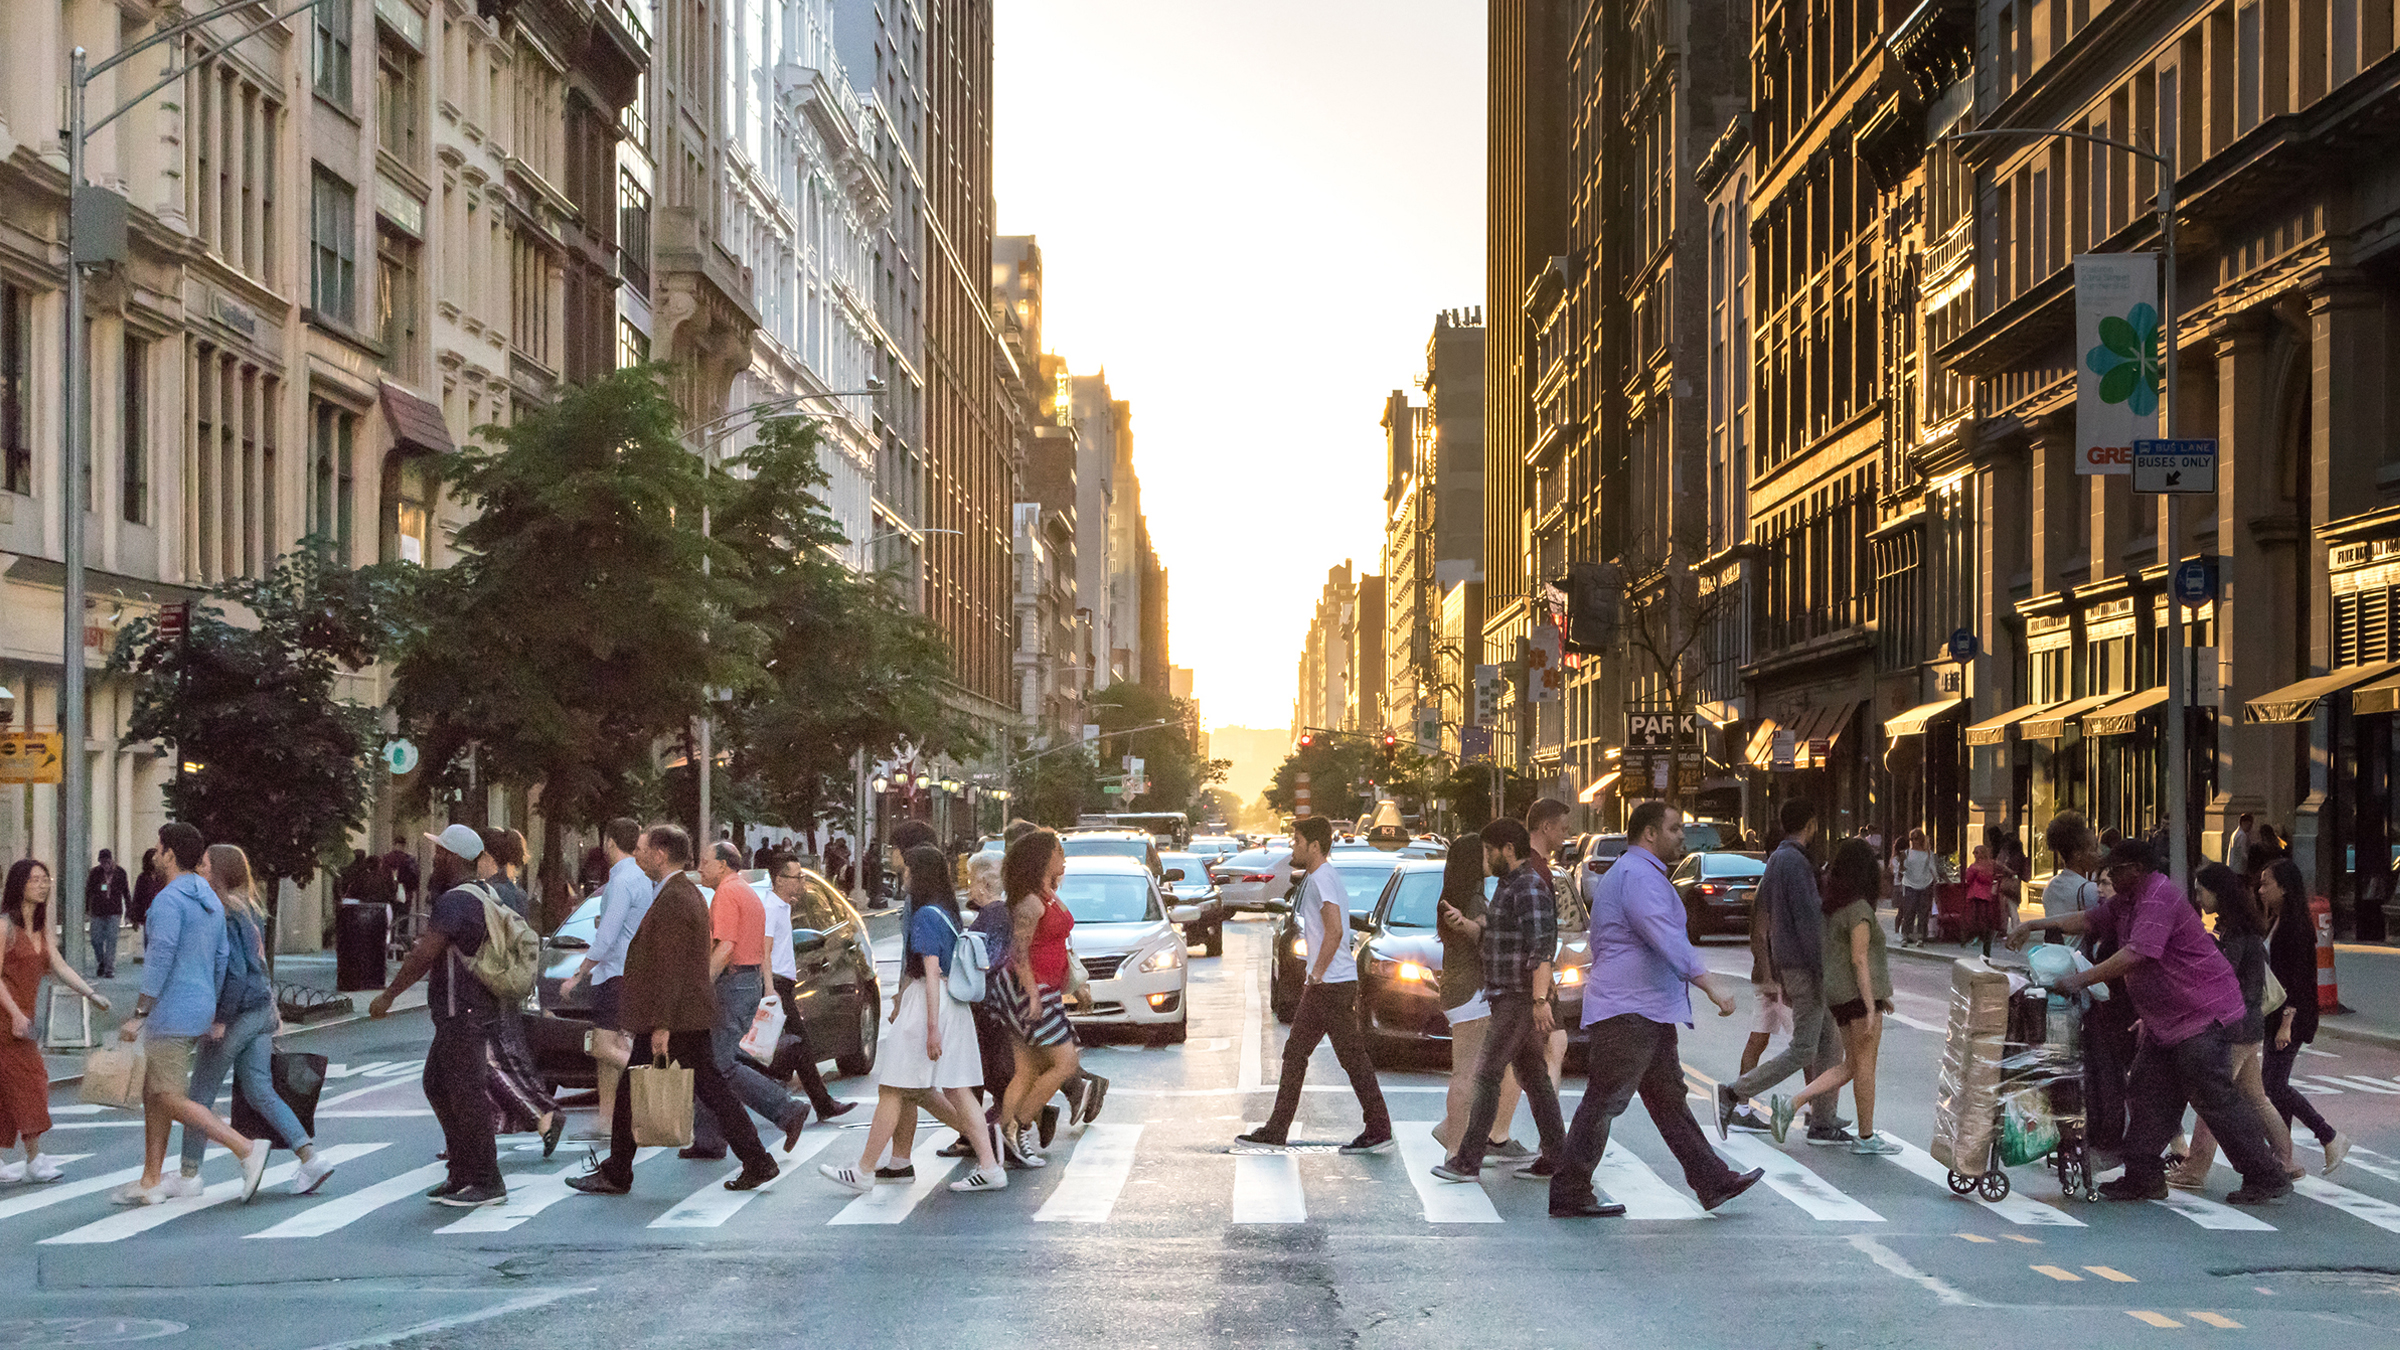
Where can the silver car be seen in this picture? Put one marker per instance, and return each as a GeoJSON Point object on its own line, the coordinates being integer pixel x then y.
{"type": "Point", "coordinates": [1134, 956]}
{"type": "Point", "coordinates": [1193, 902]}
{"type": "Point", "coordinates": [1252, 880]}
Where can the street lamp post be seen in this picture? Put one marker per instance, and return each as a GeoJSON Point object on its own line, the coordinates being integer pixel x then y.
{"type": "Point", "coordinates": [2178, 772]}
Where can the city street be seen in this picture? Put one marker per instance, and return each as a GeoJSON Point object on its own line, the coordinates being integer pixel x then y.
{"type": "Point", "coordinates": [1148, 1230]}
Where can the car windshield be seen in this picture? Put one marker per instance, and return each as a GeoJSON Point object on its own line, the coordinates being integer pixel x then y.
{"type": "Point", "coordinates": [578, 929]}
{"type": "Point", "coordinates": [1364, 881]}
{"type": "Point", "coordinates": [1106, 846]}
{"type": "Point", "coordinates": [1107, 897]}
{"type": "Point", "coordinates": [1192, 865]}
{"type": "Point", "coordinates": [1418, 900]}
{"type": "Point", "coordinates": [1701, 837]}
{"type": "Point", "coordinates": [1609, 848]}
{"type": "Point", "coordinates": [1731, 865]}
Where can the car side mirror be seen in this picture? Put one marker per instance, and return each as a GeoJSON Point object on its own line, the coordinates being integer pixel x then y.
{"type": "Point", "coordinates": [1174, 874]}
{"type": "Point", "coordinates": [1364, 923]}
{"type": "Point", "coordinates": [1184, 914]}
{"type": "Point", "coordinates": [807, 940]}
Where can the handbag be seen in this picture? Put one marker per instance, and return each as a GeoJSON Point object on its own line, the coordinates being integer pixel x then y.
{"type": "Point", "coordinates": [113, 1074]}
{"type": "Point", "coordinates": [662, 1104]}
{"type": "Point", "coordinates": [1079, 980]}
{"type": "Point", "coordinates": [299, 1079]}
{"type": "Point", "coordinates": [766, 1029]}
{"type": "Point", "coordinates": [70, 1024]}
{"type": "Point", "coordinates": [2272, 999]}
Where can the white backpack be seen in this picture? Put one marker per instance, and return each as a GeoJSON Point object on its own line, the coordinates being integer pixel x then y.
{"type": "Point", "coordinates": [970, 963]}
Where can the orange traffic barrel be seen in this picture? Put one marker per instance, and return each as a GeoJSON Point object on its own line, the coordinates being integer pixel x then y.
{"type": "Point", "coordinates": [2329, 992]}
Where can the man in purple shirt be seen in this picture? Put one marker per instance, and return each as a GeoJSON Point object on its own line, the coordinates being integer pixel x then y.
{"type": "Point", "coordinates": [1642, 960]}
{"type": "Point", "coordinates": [2190, 1006]}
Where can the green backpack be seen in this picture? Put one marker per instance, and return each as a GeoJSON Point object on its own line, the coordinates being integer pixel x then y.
{"type": "Point", "coordinates": [511, 954]}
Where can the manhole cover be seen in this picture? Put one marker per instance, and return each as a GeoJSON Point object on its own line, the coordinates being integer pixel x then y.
{"type": "Point", "coordinates": [85, 1330]}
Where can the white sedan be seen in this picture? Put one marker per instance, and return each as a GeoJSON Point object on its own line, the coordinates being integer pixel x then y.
{"type": "Point", "coordinates": [1252, 880]}
{"type": "Point", "coordinates": [1134, 956]}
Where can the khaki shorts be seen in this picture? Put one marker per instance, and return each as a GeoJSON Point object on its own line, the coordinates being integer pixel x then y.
{"type": "Point", "coordinates": [167, 1065]}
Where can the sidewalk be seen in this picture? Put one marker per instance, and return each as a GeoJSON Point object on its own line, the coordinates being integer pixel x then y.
{"type": "Point", "coordinates": [2368, 976]}
{"type": "Point", "coordinates": [301, 979]}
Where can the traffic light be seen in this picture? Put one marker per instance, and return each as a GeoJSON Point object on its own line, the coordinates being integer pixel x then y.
{"type": "Point", "coordinates": [1307, 739]}
{"type": "Point", "coordinates": [1389, 741]}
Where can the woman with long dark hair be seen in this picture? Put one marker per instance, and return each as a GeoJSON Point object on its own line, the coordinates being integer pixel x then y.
{"type": "Point", "coordinates": [521, 1104]}
{"type": "Point", "coordinates": [2242, 937]}
{"type": "Point", "coordinates": [928, 1059]}
{"type": "Point", "coordinates": [1033, 992]}
{"type": "Point", "coordinates": [1459, 919]}
{"type": "Point", "coordinates": [1858, 992]}
{"type": "Point", "coordinates": [2292, 955]}
{"type": "Point", "coordinates": [27, 950]}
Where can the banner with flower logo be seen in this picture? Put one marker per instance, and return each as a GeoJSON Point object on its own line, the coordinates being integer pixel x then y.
{"type": "Point", "coordinates": [2119, 358]}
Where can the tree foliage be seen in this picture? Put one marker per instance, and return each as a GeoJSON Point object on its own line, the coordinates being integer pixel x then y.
{"type": "Point", "coordinates": [275, 760]}
{"type": "Point", "coordinates": [1171, 763]}
{"type": "Point", "coordinates": [1057, 787]}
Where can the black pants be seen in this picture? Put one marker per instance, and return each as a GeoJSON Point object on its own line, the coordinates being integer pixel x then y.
{"type": "Point", "coordinates": [2276, 1069]}
{"type": "Point", "coordinates": [694, 1050]}
{"type": "Point", "coordinates": [1328, 1011]}
{"type": "Point", "coordinates": [2108, 1046]}
{"type": "Point", "coordinates": [2198, 1070]}
{"type": "Point", "coordinates": [795, 1054]}
{"type": "Point", "coordinates": [454, 1088]}
{"type": "Point", "coordinates": [997, 1050]}
{"type": "Point", "coordinates": [1510, 1041]}
{"type": "Point", "coordinates": [1625, 1054]}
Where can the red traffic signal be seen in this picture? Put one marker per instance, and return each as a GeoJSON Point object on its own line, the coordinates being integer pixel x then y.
{"type": "Point", "coordinates": [1389, 740]}
{"type": "Point", "coordinates": [1306, 739]}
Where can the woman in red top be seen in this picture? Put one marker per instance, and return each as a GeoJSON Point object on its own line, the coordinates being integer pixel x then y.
{"type": "Point", "coordinates": [1983, 899]}
{"type": "Point", "coordinates": [28, 950]}
{"type": "Point", "coordinates": [1033, 994]}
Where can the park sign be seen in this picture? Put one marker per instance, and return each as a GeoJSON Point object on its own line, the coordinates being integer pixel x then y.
{"type": "Point", "coordinates": [2119, 358]}
{"type": "Point", "coordinates": [1646, 730]}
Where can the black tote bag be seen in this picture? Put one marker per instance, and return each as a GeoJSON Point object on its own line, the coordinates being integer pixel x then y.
{"type": "Point", "coordinates": [299, 1079]}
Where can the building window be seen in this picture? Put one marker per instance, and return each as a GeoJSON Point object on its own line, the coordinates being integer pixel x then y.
{"type": "Point", "coordinates": [408, 508]}
{"type": "Point", "coordinates": [633, 345]}
{"type": "Point", "coordinates": [333, 50]}
{"type": "Point", "coordinates": [399, 100]}
{"type": "Point", "coordinates": [16, 389]}
{"type": "Point", "coordinates": [133, 487]}
{"type": "Point", "coordinates": [233, 407]}
{"type": "Point", "coordinates": [333, 438]}
{"type": "Point", "coordinates": [398, 283]}
{"type": "Point", "coordinates": [633, 232]}
{"type": "Point", "coordinates": [531, 280]}
{"type": "Point", "coordinates": [333, 248]}
{"type": "Point", "coordinates": [230, 168]}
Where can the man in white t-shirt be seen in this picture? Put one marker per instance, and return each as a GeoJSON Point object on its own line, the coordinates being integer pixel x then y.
{"type": "Point", "coordinates": [1328, 1001]}
{"type": "Point", "coordinates": [1918, 873]}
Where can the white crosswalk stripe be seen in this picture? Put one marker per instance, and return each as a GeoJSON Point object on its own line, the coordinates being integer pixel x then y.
{"type": "Point", "coordinates": [2018, 1208]}
{"type": "Point", "coordinates": [1794, 1182]}
{"type": "Point", "coordinates": [712, 1204]}
{"type": "Point", "coordinates": [343, 1210]}
{"type": "Point", "coordinates": [59, 1192]}
{"type": "Point", "coordinates": [1444, 1201]}
{"type": "Point", "coordinates": [1644, 1193]}
{"type": "Point", "coordinates": [2211, 1215]}
{"type": "Point", "coordinates": [1095, 1176]}
{"type": "Point", "coordinates": [891, 1202]}
{"type": "Point", "coordinates": [530, 1196]}
{"type": "Point", "coordinates": [2382, 1214]}
{"type": "Point", "coordinates": [1266, 1189]}
{"type": "Point", "coordinates": [136, 1219]}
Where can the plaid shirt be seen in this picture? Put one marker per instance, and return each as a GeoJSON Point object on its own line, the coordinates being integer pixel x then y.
{"type": "Point", "coordinates": [1520, 929]}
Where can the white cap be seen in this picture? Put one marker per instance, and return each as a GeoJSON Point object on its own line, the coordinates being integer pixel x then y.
{"type": "Point", "coordinates": [459, 839]}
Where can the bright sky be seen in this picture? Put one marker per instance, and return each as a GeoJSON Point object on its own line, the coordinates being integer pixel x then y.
{"type": "Point", "coordinates": [1249, 213]}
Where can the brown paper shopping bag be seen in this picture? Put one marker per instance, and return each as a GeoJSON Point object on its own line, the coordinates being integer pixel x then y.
{"type": "Point", "coordinates": [112, 1075]}
{"type": "Point", "coordinates": [662, 1104]}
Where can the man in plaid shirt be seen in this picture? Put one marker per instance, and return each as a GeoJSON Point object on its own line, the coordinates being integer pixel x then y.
{"type": "Point", "coordinates": [1520, 935]}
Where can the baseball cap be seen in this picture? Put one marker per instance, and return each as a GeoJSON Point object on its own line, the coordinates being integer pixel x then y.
{"type": "Point", "coordinates": [459, 839]}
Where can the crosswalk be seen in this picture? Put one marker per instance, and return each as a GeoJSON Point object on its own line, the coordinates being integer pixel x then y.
{"type": "Point", "coordinates": [1132, 1172]}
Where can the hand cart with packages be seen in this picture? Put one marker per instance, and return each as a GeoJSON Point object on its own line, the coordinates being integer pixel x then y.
{"type": "Point", "coordinates": [2011, 1087]}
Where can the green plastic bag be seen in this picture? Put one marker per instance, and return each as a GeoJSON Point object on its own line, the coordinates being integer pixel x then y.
{"type": "Point", "coordinates": [2026, 1133]}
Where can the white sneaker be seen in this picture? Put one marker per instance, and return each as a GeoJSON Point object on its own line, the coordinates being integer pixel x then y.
{"type": "Point", "coordinates": [982, 1179]}
{"type": "Point", "coordinates": [11, 1173]}
{"type": "Point", "coordinates": [176, 1186]}
{"type": "Point", "coordinates": [43, 1169]}
{"type": "Point", "coordinates": [846, 1177]}
{"type": "Point", "coordinates": [254, 1166]}
{"type": "Point", "coordinates": [2336, 1149]}
{"type": "Point", "coordinates": [131, 1193]}
{"type": "Point", "coordinates": [312, 1174]}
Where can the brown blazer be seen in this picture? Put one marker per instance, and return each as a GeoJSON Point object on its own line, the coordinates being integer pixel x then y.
{"type": "Point", "coordinates": [666, 964]}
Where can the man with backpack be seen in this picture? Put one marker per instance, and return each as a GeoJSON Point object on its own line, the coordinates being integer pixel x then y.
{"type": "Point", "coordinates": [737, 962]}
{"type": "Point", "coordinates": [475, 953]}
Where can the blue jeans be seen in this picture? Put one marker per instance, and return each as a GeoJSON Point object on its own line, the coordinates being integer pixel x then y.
{"type": "Point", "coordinates": [245, 1048]}
{"type": "Point", "coordinates": [738, 993]}
{"type": "Point", "coordinates": [104, 944]}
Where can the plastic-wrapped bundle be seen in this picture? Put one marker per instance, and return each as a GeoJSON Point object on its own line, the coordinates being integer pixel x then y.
{"type": "Point", "coordinates": [1966, 1106]}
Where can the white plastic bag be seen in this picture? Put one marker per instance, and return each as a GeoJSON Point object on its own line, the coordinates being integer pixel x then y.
{"type": "Point", "coordinates": [766, 1029]}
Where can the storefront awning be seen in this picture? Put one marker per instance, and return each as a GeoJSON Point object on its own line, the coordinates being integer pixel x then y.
{"type": "Point", "coordinates": [1599, 785]}
{"type": "Point", "coordinates": [1915, 720]}
{"type": "Point", "coordinates": [1995, 731]}
{"type": "Point", "coordinates": [2118, 718]}
{"type": "Point", "coordinates": [2294, 702]}
{"type": "Point", "coordinates": [2383, 696]}
{"type": "Point", "coordinates": [1760, 753]}
{"type": "Point", "coordinates": [1825, 722]}
{"type": "Point", "coordinates": [1716, 714]}
{"type": "Point", "coordinates": [2051, 723]}
{"type": "Point", "coordinates": [416, 424]}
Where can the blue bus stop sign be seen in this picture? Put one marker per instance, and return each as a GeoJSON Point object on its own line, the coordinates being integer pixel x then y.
{"type": "Point", "coordinates": [2195, 582]}
{"type": "Point", "coordinates": [1964, 646]}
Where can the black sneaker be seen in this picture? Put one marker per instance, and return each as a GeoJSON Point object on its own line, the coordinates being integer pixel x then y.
{"type": "Point", "coordinates": [908, 1173]}
{"type": "Point", "coordinates": [596, 1183]}
{"type": "Point", "coordinates": [558, 1126]}
{"type": "Point", "coordinates": [1075, 1089]}
{"type": "Point", "coordinates": [439, 1191]}
{"type": "Point", "coordinates": [754, 1177]}
{"type": "Point", "coordinates": [2260, 1195]}
{"type": "Point", "coordinates": [1048, 1128]}
{"type": "Point", "coordinates": [1740, 1184]}
{"type": "Point", "coordinates": [1749, 1121]}
{"type": "Point", "coordinates": [2126, 1188]}
{"type": "Point", "coordinates": [474, 1197]}
{"type": "Point", "coordinates": [1370, 1143]}
{"type": "Point", "coordinates": [1831, 1136]}
{"type": "Point", "coordinates": [1260, 1139]}
{"type": "Point", "coordinates": [1727, 1104]}
{"type": "Point", "coordinates": [1093, 1098]}
{"type": "Point", "coordinates": [960, 1147]}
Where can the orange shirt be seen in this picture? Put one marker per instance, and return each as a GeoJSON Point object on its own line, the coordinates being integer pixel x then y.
{"type": "Point", "coordinates": [736, 916]}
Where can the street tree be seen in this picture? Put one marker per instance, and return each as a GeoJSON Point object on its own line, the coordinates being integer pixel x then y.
{"type": "Point", "coordinates": [269, 755]}
{"type": "Point", "coordinates": [578, 627]}
{"type": "Point", "coordinates": [1338, 768]}
{"type": "Point", "coordinates": [1056, 787]}
{"type": "Point", "coordinates": [1174, 766]}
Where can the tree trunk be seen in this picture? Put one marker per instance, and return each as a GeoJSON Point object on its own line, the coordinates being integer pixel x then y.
{"type": "Point", "coordinates": [557, 894]}
{"type": "Point", "coordinates": [270, 889]}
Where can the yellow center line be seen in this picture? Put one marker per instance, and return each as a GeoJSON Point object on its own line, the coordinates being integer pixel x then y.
{"type": "Point", "coordinates": [1973, 1237]}
{"type": "Point", "coordinates": [2061, 1274]}
{"type": "Point", "coordinates": [2153, 1318]}
{"type": "Point", "coordinates": [2019, 1237]}
{"type": "Point", "coordinates": [1699, 1075]}
{"type": "Point", "coordinates": [2110, 1273]}
{"type": "Point", "coordinates": [2215, 1320]}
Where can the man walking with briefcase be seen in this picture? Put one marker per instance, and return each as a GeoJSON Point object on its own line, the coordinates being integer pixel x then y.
{"type": "Point", "coordinates": [670, 1004]}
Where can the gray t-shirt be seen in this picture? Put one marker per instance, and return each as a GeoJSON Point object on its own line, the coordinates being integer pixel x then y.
{"type": "Point", "coordinates": [2069, 892]}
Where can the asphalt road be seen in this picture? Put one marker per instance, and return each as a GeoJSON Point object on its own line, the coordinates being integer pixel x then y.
{"type": "Point", "coordinates": [1146, 1231]}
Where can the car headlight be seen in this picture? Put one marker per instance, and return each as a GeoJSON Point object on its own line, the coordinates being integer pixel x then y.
{"type": "Point", "coordinates": [1570, 975]}
{"type": "Point", "coordinates": [1299, 946]}
{"type": "Point", "coordinates": [1165, 958]}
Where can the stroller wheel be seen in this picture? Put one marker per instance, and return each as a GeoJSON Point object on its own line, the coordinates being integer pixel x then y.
{"type": "Point", "coordinates": [1961, 1185]}
{"type": "Point", "coordinates": [1993, 1186]}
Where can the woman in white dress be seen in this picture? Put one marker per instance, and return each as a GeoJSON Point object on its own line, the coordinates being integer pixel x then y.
{"type": "Point", "coordinates": [929, 1056]}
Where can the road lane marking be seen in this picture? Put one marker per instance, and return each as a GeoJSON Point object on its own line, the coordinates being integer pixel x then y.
{"type": "Point", "coordinates": [2020, 1237]}
{"type": "Point", "coordinates": [1975, 1237]}
{"type": "Point", "coordinates": [891, 1202]}
{"type": "Point", "coordinates": [2359, 1159]}
{"type": "Point", "coordinates": [380, 1340]}
{"type": "Point", "coordinates": [135, 1219]}
{"type": "Point", "coordinates": [2060, 1274]}
{"type": "Point", "coordinates": [2215, 1320]}
{"type": "Point", "coordinates": [529, 1197]}
{"type": "Point", "coordinates": [712, 1204]}
{"type": "Point", "coordinates": [1249, 1078]}
{"type": "Point", "coordinates": [1645, 1195]}
{"type": "Point", "coordinates": [343, 1210]}
{"type": "Point", "coordinates": [2380, 1213]}
{"type": "Point", "coordinates": [2321, 1054]}
{"type": "Point", "coordinates": [1445, 1201]}
{"type": "Point", "coordinates": [1095, 1176]}
{"type": "Point", "coordinates": [1898, 1265]}
{"type": "Point", "coordinates": [2112, 1275]}
{"type": "Point", "coordinates": [2210, 1214]}
{"type": "Point", "coordinates": [28, 1201]}
{"type": "Point", "coordinates": [1266, 1189]}
{"type": "Point", "coordinates": [1796, 1183]}
{"type": "Point", "coordinates": [335, 1072]}
{"type": "Point", "coordinates": [2155, 1319]}
{"type": "Point", "coordinates": [2360, 1082]}
{"type": "Point", "coordinates": [2017, 1208]}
